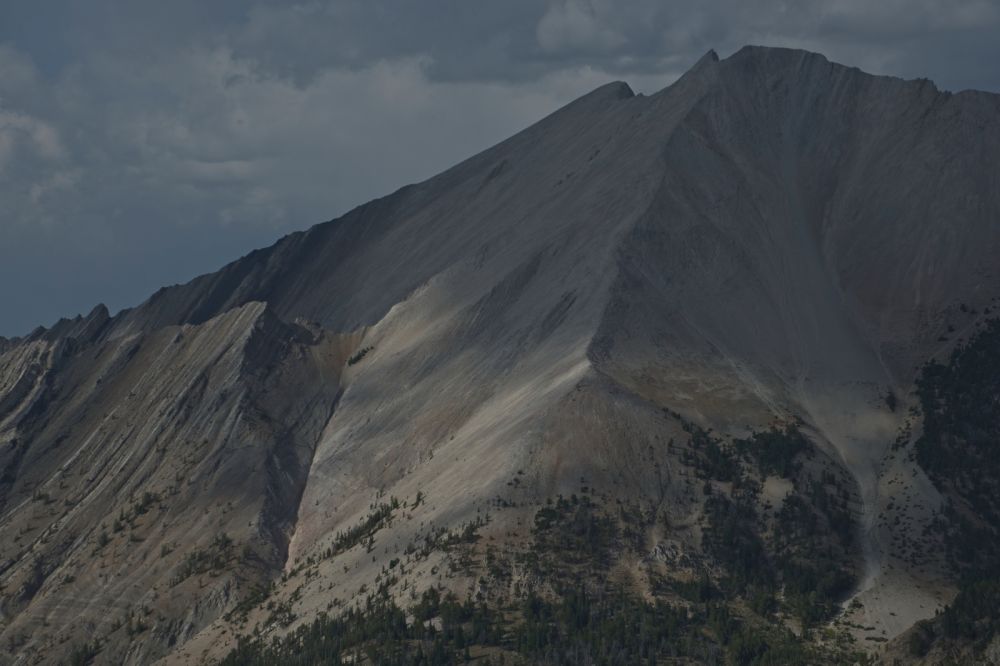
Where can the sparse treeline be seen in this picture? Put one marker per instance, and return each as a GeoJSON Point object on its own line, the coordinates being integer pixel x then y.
{"type": "Point", "coordinates": [577, 627]}
{"type": "Point", "coordinates": [960, 450]}
{"type": "Point", "coordinates": [763, 566]}
{"type": "Point", "coordinates": [801, 557]}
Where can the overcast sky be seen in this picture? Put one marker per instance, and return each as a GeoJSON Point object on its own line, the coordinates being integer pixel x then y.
{"type": "Point", "coordinates": [143, 143]}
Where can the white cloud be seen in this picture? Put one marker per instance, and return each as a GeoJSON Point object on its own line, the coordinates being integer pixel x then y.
{"type": "Point", "coordinates": [577, 25]}
{"type": "Point", "coordinates": [31, 137]}
{"type": "Point", "coordinates": [905, 16]}
{"type": "Point", "coordinates": [17, 72]}
{"type": "Point", "coordinates": [59, 180]}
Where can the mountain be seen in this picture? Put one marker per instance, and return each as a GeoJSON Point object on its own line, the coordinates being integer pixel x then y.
{"type": "Point", "coordinates": [677, 348]}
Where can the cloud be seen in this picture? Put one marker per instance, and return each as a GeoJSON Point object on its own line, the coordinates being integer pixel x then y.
{"type": "Point", "coordinates": [909, 16]}
{"type": "Point", "coordinates": [17, 72]}
{"type": "Point", "coordinates": [26, 137]}
{"type": "Point", "coordinates": [575, 25]}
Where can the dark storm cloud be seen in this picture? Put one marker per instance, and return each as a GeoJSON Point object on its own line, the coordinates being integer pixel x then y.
{"type": "Point", "coordinates": [143, 142]}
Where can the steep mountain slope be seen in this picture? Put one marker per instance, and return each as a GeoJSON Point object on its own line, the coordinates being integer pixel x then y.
{"type": "Point", "coordinates": [581, 309]}
{"type": "Point", "coordinates": [131, 464]}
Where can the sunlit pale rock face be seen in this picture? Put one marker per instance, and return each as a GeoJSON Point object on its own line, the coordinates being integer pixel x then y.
{"type": "Point", "coordinates": [772, 237]}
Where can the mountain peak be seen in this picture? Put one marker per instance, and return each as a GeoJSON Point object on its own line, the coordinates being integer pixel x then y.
{"type": "Point", "coordinates": [614, 90]}
{"type": "Point", "coordinates": [778, 61]}
{"type": "Point", "coordinates": [707, 61]}
{"type": "Point", "coordinates": [757, 51]}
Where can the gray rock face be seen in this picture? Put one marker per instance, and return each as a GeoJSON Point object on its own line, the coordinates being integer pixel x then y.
{"type": "Point", "coordinates": [772, 236]}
